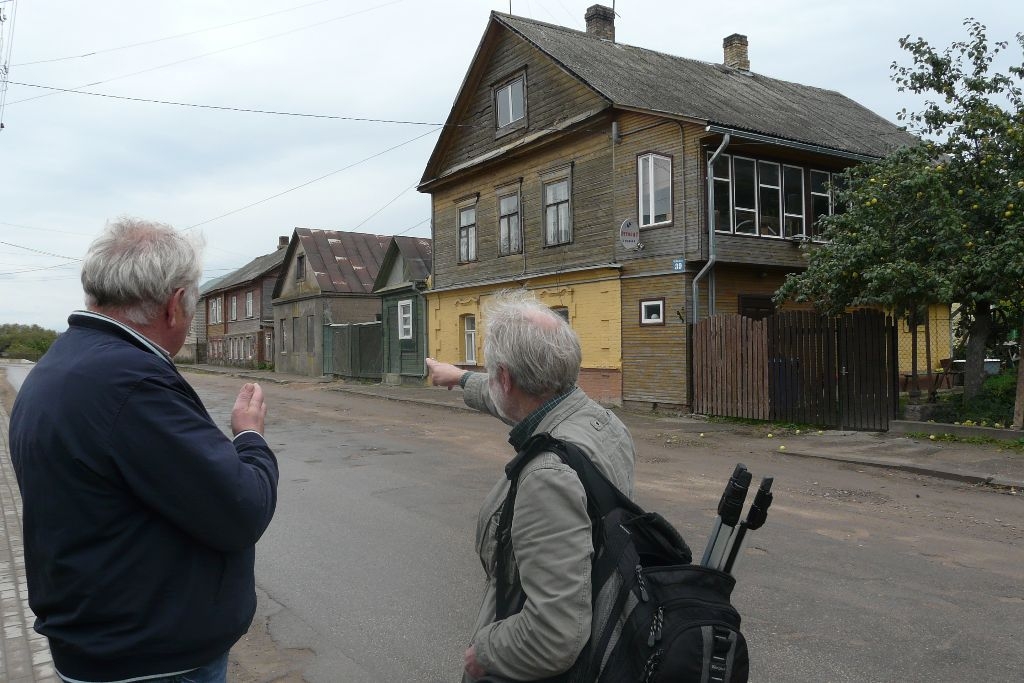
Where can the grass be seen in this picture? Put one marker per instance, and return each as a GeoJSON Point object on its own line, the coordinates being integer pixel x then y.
{"type": "Point", "coordinates": [1016, 445]}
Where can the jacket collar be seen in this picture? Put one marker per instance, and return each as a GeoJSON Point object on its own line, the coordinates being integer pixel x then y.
{"type": "Point", "coordinates": [103, 323]}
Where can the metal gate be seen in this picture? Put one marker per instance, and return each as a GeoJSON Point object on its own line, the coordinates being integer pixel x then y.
{"type": "Point", "coordinates": [798, 367]}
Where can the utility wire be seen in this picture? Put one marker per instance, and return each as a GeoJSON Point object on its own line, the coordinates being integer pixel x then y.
{"type": "Point", "coordinates": [177, 35]}
{"type": "Point", "coordinates": [384, 207]}
{"type": "Point", "coordinates": [215, 52]}
{"type": "Point", "coordinates": [220, 108]}
{"type": "Point", "coordinates": [31, 227]}
{"type": "Point", "coordinates": [5, 60]}
{"type": "Point", "coordinates": [44, 253]}
{"type": "Point", "coordinates": [310, 182]}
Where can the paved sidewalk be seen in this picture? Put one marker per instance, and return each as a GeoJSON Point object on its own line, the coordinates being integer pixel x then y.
{"type": "Point", "coordinates": [25, 655]}
{"type": "Point", "coordinates": [977, 464]}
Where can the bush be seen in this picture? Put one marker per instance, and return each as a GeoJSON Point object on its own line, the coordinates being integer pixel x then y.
{"type": "Point", "coordinates": [994, 403]}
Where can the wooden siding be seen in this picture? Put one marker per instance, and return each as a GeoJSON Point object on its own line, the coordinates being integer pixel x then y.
{"type": "Point", "coordinates": [404, 356]}
{"type": "Point", "coordinates": [552, 96]}
{"type": "Point", "coordinates": [594, 231]}
{"type": "Point", "coordinates": [654, 365]}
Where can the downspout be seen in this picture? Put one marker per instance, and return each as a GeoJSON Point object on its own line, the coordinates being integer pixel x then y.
{"type": "Point", "coordinates": [711, 230]}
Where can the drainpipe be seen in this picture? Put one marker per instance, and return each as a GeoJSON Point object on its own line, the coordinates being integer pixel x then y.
{"type": "Point", "coordinates": [711, 231]}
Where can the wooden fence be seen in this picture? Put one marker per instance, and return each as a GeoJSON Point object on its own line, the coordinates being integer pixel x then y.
{"type": "Point", "coordinates": [797, 367]}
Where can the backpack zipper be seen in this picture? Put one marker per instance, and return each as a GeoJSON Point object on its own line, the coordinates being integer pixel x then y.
{"type": "Point", "coordinates": [651, 666]}
{"type": "Point", "coordinates": [640, 582]}
{"type": "Point", "coordinates": [659, 620]}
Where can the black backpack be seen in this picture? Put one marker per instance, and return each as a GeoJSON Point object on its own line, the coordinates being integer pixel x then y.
{"type": "Point", "coordinates": [657, 618]}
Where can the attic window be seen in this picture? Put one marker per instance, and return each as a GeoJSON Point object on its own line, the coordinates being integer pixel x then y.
{"type": "Point", "coordinates": [300, 267]}
{"type": "Point", "coordinates": [510, 102]}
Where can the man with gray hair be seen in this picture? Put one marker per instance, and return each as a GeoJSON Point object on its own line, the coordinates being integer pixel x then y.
{"type": "Point", "coordinates": [532, 358]}
{"type": "Point", "coordinates": [140, 516]}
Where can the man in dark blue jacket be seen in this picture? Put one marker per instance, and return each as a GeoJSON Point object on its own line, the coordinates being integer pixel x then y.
{"type": "Point", "coordinates": [140, 515]}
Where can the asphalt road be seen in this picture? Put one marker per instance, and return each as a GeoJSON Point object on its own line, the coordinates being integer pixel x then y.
{"type": "Point", "coordinates": [860, 574]}
{"type": "Point", "coordinates": [368, 574]}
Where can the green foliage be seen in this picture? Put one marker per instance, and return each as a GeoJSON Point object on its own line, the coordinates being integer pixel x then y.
{"type": "Point", "coordinates": [940, 222]}
{"type": "Point", "coordinates": [25, 341]}
{"type": "Point", "coordinates": [994, 403]}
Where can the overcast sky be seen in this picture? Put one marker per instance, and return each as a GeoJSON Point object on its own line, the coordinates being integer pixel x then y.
{"type": "Point", "coordinates": [70, 162]}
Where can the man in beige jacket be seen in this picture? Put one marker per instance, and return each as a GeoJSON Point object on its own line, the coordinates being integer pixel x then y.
{"type": "Point", "coordinates": [532, 357]}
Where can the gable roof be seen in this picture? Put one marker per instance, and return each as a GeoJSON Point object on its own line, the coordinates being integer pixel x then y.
{"type": "Point", "coordinates": [711, 94]}
{"type": "Point", "coordinates": [258, 267]}
{"type": "Point", "coordinates": [342, 262]}
{"type": "Point", "coordinates": [416, 255]}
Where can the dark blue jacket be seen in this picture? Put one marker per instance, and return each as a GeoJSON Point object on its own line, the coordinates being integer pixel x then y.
{"type": "Point", "coordinates": [140, 516]}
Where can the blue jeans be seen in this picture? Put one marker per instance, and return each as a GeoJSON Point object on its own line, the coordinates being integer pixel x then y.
{"type": "Point", "coordinates": [214, 672]}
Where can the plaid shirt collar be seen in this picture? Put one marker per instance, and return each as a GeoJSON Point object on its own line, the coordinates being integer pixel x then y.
{"type": "Point", "coordinates": [524, 429]}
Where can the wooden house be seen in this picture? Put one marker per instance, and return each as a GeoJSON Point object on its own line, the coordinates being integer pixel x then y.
{"type": "Point", "coordinates": [631, 190]}
{"type": "Point", "coordinates": [327, 279]}
{"type": "Point", "coordinates": [239, 313]}
{"type": "Point", "coordinates": [400, 284]}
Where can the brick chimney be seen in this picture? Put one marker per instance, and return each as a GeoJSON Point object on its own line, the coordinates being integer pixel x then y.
{"type": "Point", "coordinates": [736, 52]}
{"type": "Point", "coordinates": [282, 242]}
{"type": "Point", "coordinates": [601, 22]}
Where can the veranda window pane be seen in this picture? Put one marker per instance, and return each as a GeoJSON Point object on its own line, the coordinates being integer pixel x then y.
{"type": "Point", "coordinates": [745, 185]}
{"type": "Point", "coordinates": [723, 215]}
{"type": "Point", "coordinates": [793, 187]}
{"type": "Point", "coordinates": [770, 211]}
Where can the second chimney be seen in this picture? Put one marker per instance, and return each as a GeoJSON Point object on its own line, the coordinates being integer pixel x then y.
{"type": "Point", "coordinates": [601, 22]}
{"type": "Point", "coordinates": [282, 242]}
{"type": "Point", "coordinates": [736, 52]}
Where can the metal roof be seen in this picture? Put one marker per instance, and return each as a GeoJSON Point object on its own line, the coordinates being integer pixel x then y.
{"type": "Point", "coordinates": [342, 262]}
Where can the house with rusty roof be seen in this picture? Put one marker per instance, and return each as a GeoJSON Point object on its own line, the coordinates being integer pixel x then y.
{"type": "Point", "coordinates": [327, 280]}
{"type": "Point", "coordinates": [401, 285]}
{"type": "Point", "coordinates": [237, 312]}
{"type": "Point", "coordinates": [633, 191]}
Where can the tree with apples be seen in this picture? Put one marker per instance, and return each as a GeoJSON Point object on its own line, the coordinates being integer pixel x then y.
{"type": "Point", "coordinates": [942, 221]}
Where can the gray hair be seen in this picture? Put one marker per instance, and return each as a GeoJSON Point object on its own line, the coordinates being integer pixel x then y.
{"type": "Point", "coordinates": [533, 343]}
{"type": "Point", "coordinates": [135, 266]}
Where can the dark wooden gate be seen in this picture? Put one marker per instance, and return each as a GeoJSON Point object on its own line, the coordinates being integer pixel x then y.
{"type": "Point", "coordinates": [797, 367]}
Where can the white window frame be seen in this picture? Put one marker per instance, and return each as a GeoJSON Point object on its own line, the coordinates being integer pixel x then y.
{"type": "Point", "coordinates": [803, 204]}
{"type": "Point", "coordinates": [466, 235]}
{"type": "Point", "coordinates": [234, 307]}
{"type": "Point", "coordinates": [648, 162]}
{"type": "Point", "coordinates": [736, 210]}
{"type": "Point", "coordinates": [564, 234]}
{"type": "Point", "coordinates": [652, 312]}
{"type": "Point", "coordinates": [268, 344]}
{"type": "Point", "coordinates": [808, 196]}
{"type": "Point", "coordinates": [248, 304]}
{"type": "Point", "coordinates": [405, 319]}
{"type": "Point", "coordinates": [504, 92]}
{"type": "Point", "coordinates": [468, 337]}
{"type": "Point", "coordinates": [761, 186]}
{"type": "Point", "coordinates": [284, 335]}
{"type": "Point", "coordinates": [827, 194]}
{"type": "Point", "coordinates": [513, 238]}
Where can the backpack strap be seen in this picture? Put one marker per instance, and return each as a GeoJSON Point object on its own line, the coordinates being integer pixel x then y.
{"type": "Point", "coordinates": [602, 497]}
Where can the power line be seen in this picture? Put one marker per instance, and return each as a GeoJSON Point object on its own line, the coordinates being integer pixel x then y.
{"type": "Point", "coordinates": [215, 52]}
{"type": "Point", "coordinates": [31, 227]}
{"type": "Point", "coordinates": [310, 182]}
{"type": "Point", "coordinates": [384, 207]}
{"type": "Point", "coordinates": [33, 270]}
{"type": "Point", "coordinates": [5, 59]}
{"type": "Point", "coordinates": [44, 253]}
{"type": "Point", "coordinates": [177, 35]}
{"type": "Point", "coordinates": [222, 108]}
{"type": "Point", "coordinates": [413, 227]}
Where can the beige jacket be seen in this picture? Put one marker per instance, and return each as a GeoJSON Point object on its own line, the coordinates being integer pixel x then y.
{"type": "Point", "coordinates": [551, 540]}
